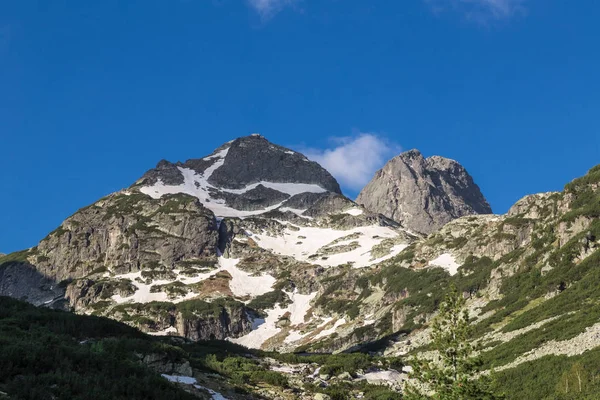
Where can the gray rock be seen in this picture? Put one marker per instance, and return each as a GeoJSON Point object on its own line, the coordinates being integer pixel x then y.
{"type": "Point", "coordinates": [162, 364]}
{"type": "Point", "coordinates": [303, 201]}
{"type": "Point", "coordinates": [231, 319]}
{"type": "Point", "coordinates": [253, 158]}
{"type": "Point", "coordinates": [258, 198]}
{"type": "Point", "coordinates": [22, 281]}
{"type": "Point", "coordinates": [344, 376]}
{"type": "Point", "coordinates": [166, 172]}
{"type": "Point", "coordinates": [247, 161]}
{"type": "Point", "coordinates": [423, 194]}
{"type": "Point", "coordinates": [328, 203]}
{"type": "Point", "coordinates": [126, 233]}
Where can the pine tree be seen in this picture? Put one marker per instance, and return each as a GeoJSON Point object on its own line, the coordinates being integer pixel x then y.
{"type": "Point", "coordinates": [454, 375]}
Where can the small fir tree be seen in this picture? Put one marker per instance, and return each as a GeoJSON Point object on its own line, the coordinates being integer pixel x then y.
{"type": "Point", "coordinates": [454, 376]}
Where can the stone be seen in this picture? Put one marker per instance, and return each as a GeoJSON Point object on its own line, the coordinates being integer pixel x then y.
{"type": "Point", "coordinates": [249, 160]}
{"type": "Point", "coordinates": [423, 194]}
{"type": "Point", "coordinates": [344, 376]}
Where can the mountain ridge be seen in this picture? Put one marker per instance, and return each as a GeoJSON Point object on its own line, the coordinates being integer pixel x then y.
{"type": "Point", "coordinates": [317, 272]}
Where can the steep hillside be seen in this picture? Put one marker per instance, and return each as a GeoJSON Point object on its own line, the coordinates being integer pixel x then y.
{"type": "Point", "coordinates": [530, 275]}
{"type": "Point", "coordinates": [49, 354]}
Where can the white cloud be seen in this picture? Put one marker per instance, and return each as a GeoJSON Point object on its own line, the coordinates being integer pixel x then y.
{"type": "Point", "coordinates": [268, 8]}
{"type": "Point", "coordinates": [481, 10]}
{"type": "Point", "coordinates": [353, 160]}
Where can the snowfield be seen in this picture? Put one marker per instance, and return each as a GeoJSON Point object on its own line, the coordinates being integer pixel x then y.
{"type": "Point", "coordinates": [242, 284]}
{"type": "Point", "coordinates": [302, 242]}
{"type": "Point", "coordinates": [330, 331]}
{"type": "Point", "coordinates": [446, 261]}
{"type": "Point", "coordinates": [165, 332]}
{"type": "Point", "coordinates": [387, 377]}
{"type": "Point", "coordinates": [354, 211]}
{"type": "Point", "coordinates": [289, 188]}
{"type": "Point", "coordinates": [267, 328]}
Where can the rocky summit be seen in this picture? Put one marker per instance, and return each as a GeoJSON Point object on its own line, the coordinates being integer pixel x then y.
{"type": "Point", "coordinates": [255, 245]}
{"type": "Point", "coordinates": [246, 176]}
{"type": "Point", "coordinates": [423, 194]}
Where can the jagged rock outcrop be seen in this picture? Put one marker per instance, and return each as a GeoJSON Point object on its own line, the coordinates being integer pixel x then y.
{"type": "Point", "coordinates": [422, 193]}
{"type": "Point", "coordinates": [219, 322]}
{"type": "Point", "coordinates": [127, 232]}
{"type": "Point", "coordinates": [248, 174]}
{"type": "Point", "coordinates": [252, 159]}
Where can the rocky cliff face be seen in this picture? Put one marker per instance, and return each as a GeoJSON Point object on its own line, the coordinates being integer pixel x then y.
{"type": "Point", "coordinates": [129, 232]}
{"type": "Point", "coordinates": [423, 194]}
{"type": "Point", "coordinates": [243, 177]}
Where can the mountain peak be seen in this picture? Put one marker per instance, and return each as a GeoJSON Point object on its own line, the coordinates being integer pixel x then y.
{"type": "Point", "coordinates": [411, 154]}
{"type": "Point", "coordinates": [241, 177]}
{"type": "Point", "coordinates": [423, 193]}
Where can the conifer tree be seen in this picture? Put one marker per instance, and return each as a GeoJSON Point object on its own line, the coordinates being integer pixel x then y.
{"type": "Point", "coordinates": [454, 375]}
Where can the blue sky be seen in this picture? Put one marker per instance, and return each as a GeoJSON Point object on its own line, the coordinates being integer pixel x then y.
{"type": "Point", "coordinates": [94, 93]}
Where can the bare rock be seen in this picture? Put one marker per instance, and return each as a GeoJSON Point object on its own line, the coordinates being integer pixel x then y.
{"type": "Point", "coordinates": [423, 194]}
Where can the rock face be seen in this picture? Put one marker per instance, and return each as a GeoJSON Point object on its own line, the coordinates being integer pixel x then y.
{"type": "Point", "coordinates": [242, 177]}
{"type": "Point", "coordinates": [229, 320]}
{"type": "Point", "coordinates": [423, 194]}
{"type": "Point", "coordinates": [253, 159]}
{"type": "Point", "coordinates": [128, 232]}
{"type": "Point", "coordinates": [22, 281]}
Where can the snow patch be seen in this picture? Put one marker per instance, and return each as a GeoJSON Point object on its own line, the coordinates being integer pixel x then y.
{"type": "Point", "coordinates": [286, 369]}
{"type": "Point", "coordinates": [188, 380]}
{"type": "Point", "coordinates": [302, 242]}
{"type": "Point", "coordinates": [291, 189]}
{"type": "Point", "coordinates": [331, 330]}
{"type": "Point", "coordinates": [214, 395]}
{"type": "Point", "coordinates": [300, 306]}
{"type": "Point", "coordinates": [296, 211]}
{"type": "Point", "coordinates": [446, 261]}
{"type": "Point", "coordinates": [243, 283]}
{"type": "Point", "coordinates": [220, 154]}
{"type": "Point", "coordinates": [164, 332]}
{"type": "Point", "coordinates": [354, 211]}
{"type": "Point", "coordinates": [388, 376]}
{"type": "Point", "coordinates": [266, 328]}
{"type": "Point", "coordinates": [197, 185]}
{"type": "Point", "coordinates": [264, 331]}
{"type": "Point", "coordinates": [143, 294]}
